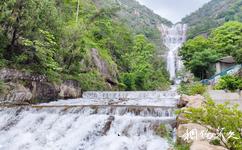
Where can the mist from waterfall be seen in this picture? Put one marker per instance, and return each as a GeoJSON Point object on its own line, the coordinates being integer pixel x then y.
{"type": "Point", "coordinates": [173, 38]}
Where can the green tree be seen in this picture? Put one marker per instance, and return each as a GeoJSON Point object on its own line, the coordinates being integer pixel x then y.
{"type": "Point", "coordinates": [198, 56]}
{"type": "Point", "coordinates": [227, 39]}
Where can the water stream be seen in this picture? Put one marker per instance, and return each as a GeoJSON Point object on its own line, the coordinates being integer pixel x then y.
{"type": "Point", "coordinates": [98, 121]}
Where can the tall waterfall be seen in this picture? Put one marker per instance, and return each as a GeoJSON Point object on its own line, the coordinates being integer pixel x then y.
{"type": "Point", "coordinates": [173, 37]}
{"type": "Point", "coordinates": [98, 121]}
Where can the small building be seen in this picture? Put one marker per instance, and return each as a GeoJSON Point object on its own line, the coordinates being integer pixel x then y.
{"type": "Point", "coordinates": [224, 63]}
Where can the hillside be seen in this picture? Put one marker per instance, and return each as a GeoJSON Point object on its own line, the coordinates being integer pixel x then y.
{"type": "Point", "coordinates": [212, 15]}
{"type": "Point", "coordinates": [74, 44]}
{"type": "Point", "coordinates": [139, 18]}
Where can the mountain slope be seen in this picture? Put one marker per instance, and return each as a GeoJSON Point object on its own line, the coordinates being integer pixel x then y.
{"type": "Point", "coordinates": [212, 15]}
{"type": "Point", "coordinates": [140, 19]}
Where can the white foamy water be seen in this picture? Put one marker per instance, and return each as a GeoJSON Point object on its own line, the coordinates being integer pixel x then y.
{"type": "Point", "coordinates": [174, 37]}
{"type": "Point", "coordinates": [113, 122]}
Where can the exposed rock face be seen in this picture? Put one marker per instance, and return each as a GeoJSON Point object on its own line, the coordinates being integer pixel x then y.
{"type": "Point", "coordinates": [70, 89]}
{"type": "Point", "coordinates": [198, 133]}
{"type": "Point", "coordinates": [204, 145]}
{"type": "Point", "coordinates": [13, 74]}
{"type": "Point", "coordinates": [15, 93]}
{"type": "Point", "coordinates": [191, 101]}
{"type": "Point", "coordinates": [35, 88]}
{"type": "Point", "coordinates": [44, 91]}
{"type": "Point", "coordinates": [107, 70]}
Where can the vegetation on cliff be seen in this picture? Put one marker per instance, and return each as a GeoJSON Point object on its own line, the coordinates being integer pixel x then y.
{"type": "Point", "coordinates": [212, 15]}
{"type": "Point", "coordinates": [55, 39]}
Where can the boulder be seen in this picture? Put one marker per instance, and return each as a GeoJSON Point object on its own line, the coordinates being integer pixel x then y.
{"type": "Point", "coordinates": [15, 93]}
{"type": "Point", "coordinates": [44, 91]}
{"type": "Point", "coordinates": [181, 119]}
{"type": "Point", "coordinates": [70, 89]}
{"type": "Point", "coordinates": [192, 101]}
{"type": "Point", "coordinates": [188, 133]}
{"type": "Point", "coordinates": [204, 145]}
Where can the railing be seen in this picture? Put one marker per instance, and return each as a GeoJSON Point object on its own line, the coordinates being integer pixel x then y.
{"type": "Point", "coordinates": [229, 71]}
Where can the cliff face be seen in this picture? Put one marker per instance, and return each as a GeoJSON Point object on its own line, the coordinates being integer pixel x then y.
{"type": "Point", "coordinates": [21, 87]}
{"type": "Point", "coordinates": [140, 19]}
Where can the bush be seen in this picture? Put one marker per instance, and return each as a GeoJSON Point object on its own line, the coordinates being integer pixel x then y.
{"type": "Point", "coordinates": [231, 83]}
{"type": "Point", "coordinates": [216, 117]}
{"type": "Point", "coordinates": [162, 131]}
{"type": "Point", "coordinates": [192, 89]}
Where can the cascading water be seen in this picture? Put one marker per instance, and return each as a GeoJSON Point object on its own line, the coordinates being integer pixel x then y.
{"type": "Point", "coordinates": [98, 121]}
{"type": "Point", "coordinates": [173, 37]}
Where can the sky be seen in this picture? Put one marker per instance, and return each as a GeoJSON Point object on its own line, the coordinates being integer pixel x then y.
{"type": "Point", "coordinates": [173, 10]}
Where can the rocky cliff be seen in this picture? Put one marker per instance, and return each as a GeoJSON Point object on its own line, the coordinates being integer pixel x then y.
{"type": "Point", "coordinates": [21, 87]}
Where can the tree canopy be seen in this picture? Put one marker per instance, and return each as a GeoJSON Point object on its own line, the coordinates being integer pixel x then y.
{"type": "Point", "coordinates": [199, 54]}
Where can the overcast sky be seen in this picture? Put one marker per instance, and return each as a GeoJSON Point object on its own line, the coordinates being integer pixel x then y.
{"type": "Point", "coordinates": [173, 10]}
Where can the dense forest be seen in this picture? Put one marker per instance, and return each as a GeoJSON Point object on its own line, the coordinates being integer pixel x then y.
{"type": "Point", "coordinates": [82, 41]}
{"type": "Point", "coordinates": [212, 15]}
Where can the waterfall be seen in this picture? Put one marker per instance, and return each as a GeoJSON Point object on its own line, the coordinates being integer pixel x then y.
{"type": "Point", "coordinates": [173, 38]}
{"type": "Point", "coordinates": [99, 120]}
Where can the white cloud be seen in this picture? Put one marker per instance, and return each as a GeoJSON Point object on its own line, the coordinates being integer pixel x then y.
{"type": "Point", "coordinates": [173, 10]}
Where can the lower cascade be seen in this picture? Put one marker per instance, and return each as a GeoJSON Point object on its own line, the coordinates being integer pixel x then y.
{"type": "Point", "coordinates": [98, 121]}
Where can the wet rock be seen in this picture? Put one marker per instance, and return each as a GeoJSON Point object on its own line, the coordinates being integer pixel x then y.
{"type": "Point", "coordinates": [70, 89]}
{"type": "Point", "coordinates": [108, 124]}
{"type": "Point", "coordinates": [204, 145]}
{"type": "Point", "coordinates": [15, 93]}
{"type": "Point", "coordinates": [45, 91]}
{"type": "Point", "coordinates": [188, 133]}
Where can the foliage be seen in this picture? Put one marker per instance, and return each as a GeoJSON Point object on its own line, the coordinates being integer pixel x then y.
{"type": "Point", "coordinates": [199, 54]}
{"type": "Point", "coordinates": [192, 88]}
{"type": "Point", "coordinates": [181, 146]}
{"type": "Point", "coordinates": [138, 18]}
{"type": "Point", "coordinates": [55, 39]}
{"type": "Point", "coordinates": [162, 131]}
{"type": "Point", "coordinates": [231, 83]}
{"type": "Point", "coordinates": [141, 72]}
{"type": "Point", "coordinates": [227, 39]}
{"type": "Point", "coordinates": [212, 15]}
{"type": "Point", "coordinates": [219, 116]}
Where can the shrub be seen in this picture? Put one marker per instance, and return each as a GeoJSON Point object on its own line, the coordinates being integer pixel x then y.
{"type": "Point", "coordinates": [231, 83]}
{"type": "Point", "coordinates": [163, 131]}
{"type": "Point", "coordinates": [192, 89]}
{"type": "Point", "coordinates": [219, 116]}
